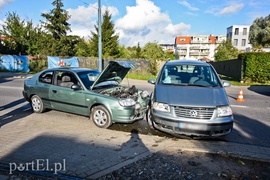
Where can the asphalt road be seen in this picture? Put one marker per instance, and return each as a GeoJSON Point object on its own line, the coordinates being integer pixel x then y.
{"type": "Point", "coordinates": [252, 117]}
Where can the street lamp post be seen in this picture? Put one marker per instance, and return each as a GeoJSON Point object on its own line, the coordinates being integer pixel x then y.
{"type": "Point", "coordinates": [99, 38]}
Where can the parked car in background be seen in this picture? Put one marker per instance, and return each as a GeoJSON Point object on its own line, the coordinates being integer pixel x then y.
{"type": "Point", "coordinates": [88, 92]}
{"type": "Point", "coordinates": [189, 99]}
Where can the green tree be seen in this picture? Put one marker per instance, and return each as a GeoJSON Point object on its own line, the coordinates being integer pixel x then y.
{"type": "Point", "coordinates": [132, 51]}
{"type": "Point", "coordinates": [138, 51]}
{"type": "Point", "coordinates": [56, 24]}
{"type": "Point", "coordinates": [124, 52]}
{"type": "Point", "coordinates": [226, 51]}
{"type": "Point", "coordinates": [259, 34]}
{"type": "Point", "coordinates": [82, 48]}
{"type": "Point", "coordinates": [153, 52]}
{"type": "Point", "coordinates": [57, 20]}
{"type": "Point", "coordinates": [109, 38]}
{"type": "Point", "coordinates": [15, 32]}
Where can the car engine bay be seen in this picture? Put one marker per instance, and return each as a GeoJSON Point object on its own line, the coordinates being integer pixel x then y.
{"type": "Point", "coordinates": [121, 92]}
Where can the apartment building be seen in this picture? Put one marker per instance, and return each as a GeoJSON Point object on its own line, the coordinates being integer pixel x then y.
{"type": "Point", "coordinates": [238, 35]}
{"type": "Point", "coordinates": [167, 47]}
{"type": "Point", "coordinates": [197, 46]}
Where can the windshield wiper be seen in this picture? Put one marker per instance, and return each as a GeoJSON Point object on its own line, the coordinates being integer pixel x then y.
{"type": "Point", "coordinates": [199, 85]}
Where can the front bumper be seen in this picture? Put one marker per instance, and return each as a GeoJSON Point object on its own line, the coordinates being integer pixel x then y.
{"type": "Point", "coordinates": [128, 114]}
{"type": "Point", "coordinates": [218, 127]}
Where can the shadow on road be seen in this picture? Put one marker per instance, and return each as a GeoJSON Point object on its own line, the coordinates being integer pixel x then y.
{"type": "Point", "coordinates": [57, 156]}
{"type": "Point", "coordinates": [14, 103]}
{"type": "Point", "coordinates": [4, 80]}
{"type": "Point", "coordinates": [263, 90]}
{"type": "Point", "coordinates": [15, 114]}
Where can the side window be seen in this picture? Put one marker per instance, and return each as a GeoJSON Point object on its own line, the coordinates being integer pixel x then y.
{"type": "Point", "coordinates": [46, 77]}
{"type": "Point", "coordinates": [66, 79]}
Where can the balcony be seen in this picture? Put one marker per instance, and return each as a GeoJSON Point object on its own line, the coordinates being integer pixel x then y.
{"type": "Point", "coordinates": [200, 53]}
{"type": "Point", "coordinates": [199, 42]}
{"type": "Point", "coordinates": [182, 53]}
{"type": "Point", "coordinates": [199, 47]}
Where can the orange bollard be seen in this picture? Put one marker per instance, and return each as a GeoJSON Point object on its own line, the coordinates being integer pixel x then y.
{"type": "Point", "coordinates": [240, 96]}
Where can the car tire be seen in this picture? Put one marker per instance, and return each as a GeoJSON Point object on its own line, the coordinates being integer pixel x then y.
{"type": "Point", "coordinates": [37, 104]}
{"type": "Point", "coordinates": [149, 120]}
{"type": "Point", "coordinates": [101, 117]}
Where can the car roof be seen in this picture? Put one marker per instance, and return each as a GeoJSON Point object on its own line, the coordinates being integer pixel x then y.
{"type": "Point", "coordinates": [187, 62]}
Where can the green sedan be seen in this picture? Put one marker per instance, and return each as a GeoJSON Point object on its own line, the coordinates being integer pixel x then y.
{"type": "Point", "coordinates": [88, 92]}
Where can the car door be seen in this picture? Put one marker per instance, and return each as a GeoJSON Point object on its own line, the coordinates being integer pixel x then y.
{"type": "Point", "coordinates": [43, 85]}
{"type": "Point", "coordinates": [63, 97]}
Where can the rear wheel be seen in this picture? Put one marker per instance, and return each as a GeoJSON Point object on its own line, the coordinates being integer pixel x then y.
{"type": "Point", "coordinates": [101, 117]}
{"type": "Point", "coordinates": [37, 104]}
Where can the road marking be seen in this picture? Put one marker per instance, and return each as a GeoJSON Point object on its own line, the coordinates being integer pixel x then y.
{"type": "Point", "coordinates": [11, 87]}
{"type": "Point", "coordinates": [7, 117]}
{"type": "Point", "coordinates": [239, 106]}
{"type": "Point", "coordinates": [27, 109]}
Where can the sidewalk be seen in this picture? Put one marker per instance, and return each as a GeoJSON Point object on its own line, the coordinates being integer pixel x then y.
{"type": "Point", "coordinates": [78, 149]}
{"type": "Point", "coordinates": [91, 156]}
{"type": "Point", "coordinates": [14, 75]}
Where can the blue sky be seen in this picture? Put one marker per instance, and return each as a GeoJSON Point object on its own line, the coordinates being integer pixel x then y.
{"type": "Point", "coordinates": [142, 21]}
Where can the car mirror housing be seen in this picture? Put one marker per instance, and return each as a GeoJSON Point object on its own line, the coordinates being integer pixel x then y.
{"type": "Point", "coordinates": [76, 87]}
{"type": "Point", "coordinates": [151, 81]}
{"type": "Point", "coordinates": [226, 84]}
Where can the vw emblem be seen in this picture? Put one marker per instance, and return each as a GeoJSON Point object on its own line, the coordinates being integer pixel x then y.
{"type": "Point", "coordinates": [193, 113]}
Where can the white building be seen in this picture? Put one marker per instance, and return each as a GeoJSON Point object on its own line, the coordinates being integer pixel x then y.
{"type": "Point", "coordinates": [238, 35]}
{"type": "Point", "coordinates": [197, 46]}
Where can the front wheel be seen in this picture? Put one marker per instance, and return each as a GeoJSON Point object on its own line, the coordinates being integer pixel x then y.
{"type": "Point", "coordinates": [37, 104]}
{"type": "Point", "coordinates": [101, 117]}
{"type": "Point", "coordinates": [149, 120]}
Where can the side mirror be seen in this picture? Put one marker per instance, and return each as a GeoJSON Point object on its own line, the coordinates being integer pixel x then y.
{"type": "Point", "coordinates": [226, 84]}
{"type": "Point", "coordinates": [76, 87]}
{"type": "Point", "coordinates": [151, 81]}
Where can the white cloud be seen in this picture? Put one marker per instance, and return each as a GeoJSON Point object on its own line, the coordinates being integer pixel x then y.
{"type": "Point", "coordinates": [141, 15]}
{"type": "Point", "coordinates": [142, 23]}
{"type": "Point", "coordinates": [189, 6]}
{"type": "Point", "coordinates": [146, 23]}
{"type": "Point", "coordinates": [231, 9]}
{"type": "Point", "coordinates": [174, 30]}
{"type": "Point", "coordinates": [4, 2]}
{"type": "Point", "coordinates": [83, 19]}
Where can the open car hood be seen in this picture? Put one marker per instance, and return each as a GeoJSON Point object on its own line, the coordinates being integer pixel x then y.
{"type": "Point", "coordinates": [114, 71]}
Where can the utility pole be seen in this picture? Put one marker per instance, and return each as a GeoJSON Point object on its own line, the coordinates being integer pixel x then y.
{"type": "Point", "coordinates": [99, 38]}
{"type": "Point", "coordinates": [99, 35]}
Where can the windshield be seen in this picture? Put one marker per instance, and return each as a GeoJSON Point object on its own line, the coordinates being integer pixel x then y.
{"type": "Point", "coordinates": [88, 77]}
{"type": "Point", "coordinates": [189, 75]}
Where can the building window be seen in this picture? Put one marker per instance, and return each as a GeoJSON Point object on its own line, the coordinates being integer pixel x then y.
{"type": "Point", "coordinates": [243, 42]}
{"type": "Point", "coordinates": [245, 31]}
{"type": "Point", "coordinates": [235, 42]}
{"type": "Point", "coordinates": [236, 32]}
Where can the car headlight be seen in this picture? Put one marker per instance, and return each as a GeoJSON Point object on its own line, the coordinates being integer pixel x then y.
{"type": "Point", "coordinates": [224, 111]}
{"type": "Point", "coordinates": [127, 102]}
{"type": "Point", "coordinates": [144, 94]}
{"type": "Point", "coordinates": [161, 107]}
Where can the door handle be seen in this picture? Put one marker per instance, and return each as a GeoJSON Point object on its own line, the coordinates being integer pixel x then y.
{"type": "Point", "coordinates": [54, 91]}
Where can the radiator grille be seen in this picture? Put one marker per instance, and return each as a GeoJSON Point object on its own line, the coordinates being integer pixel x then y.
{"type": "Point", "coordinates": [193, 112]}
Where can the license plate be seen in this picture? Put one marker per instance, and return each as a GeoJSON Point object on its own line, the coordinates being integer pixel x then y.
{"type": "Point", "coordinates": [191, 126]}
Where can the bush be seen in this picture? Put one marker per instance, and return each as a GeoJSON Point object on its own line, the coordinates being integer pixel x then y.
{"type": "Point", "coordinates": [256, 66]}
{"type": "Point", "coordinates": [38, 65]}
